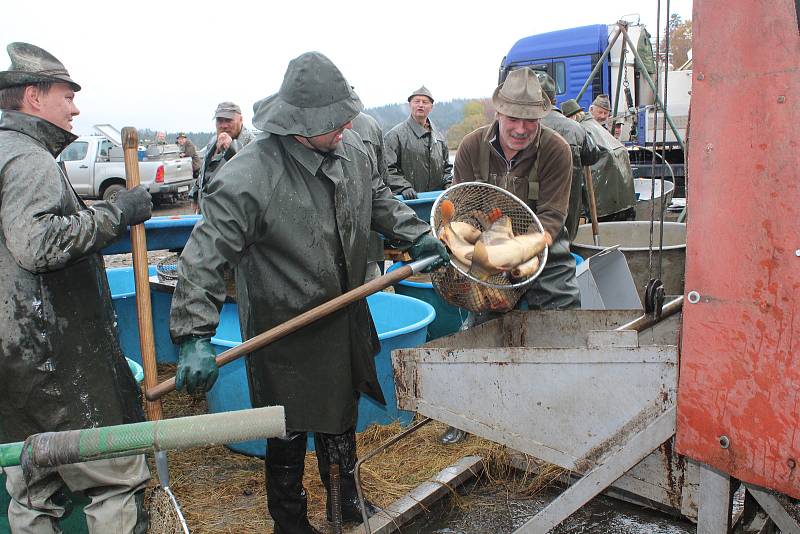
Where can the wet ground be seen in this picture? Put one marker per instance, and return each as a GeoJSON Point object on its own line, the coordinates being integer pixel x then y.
{"type": "Point", "coordinates": [495, 512]}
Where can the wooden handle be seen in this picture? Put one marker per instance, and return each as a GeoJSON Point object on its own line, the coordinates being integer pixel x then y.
{"type": "Point", "coordinates": [587, 177]}
{"type": "Point", "coordinates": [284, 329]}
{"type": "Point", "coordinates": [130, 147]}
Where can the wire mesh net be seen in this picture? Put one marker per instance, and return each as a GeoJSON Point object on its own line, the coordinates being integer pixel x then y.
{"type": "Point", "coordinates": [474, 203]}
{"type": "Point", "coordinates": [165, 513]}
{"type": "Point", "coordinates": [167, 269]}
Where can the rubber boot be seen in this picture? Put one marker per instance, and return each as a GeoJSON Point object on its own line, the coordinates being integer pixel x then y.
{"type": "Point", "coordinates": [142, 517]}
{"type": "Point", "coordinates": [452, 435]}
{"type": "Point", "coordinates": [341, 449]}
{"type": "Point", "coordinates": [286, 498]}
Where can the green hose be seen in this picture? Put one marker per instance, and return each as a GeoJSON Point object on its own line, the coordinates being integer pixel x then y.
{"type": "Point", "coordinates": [57, 448]}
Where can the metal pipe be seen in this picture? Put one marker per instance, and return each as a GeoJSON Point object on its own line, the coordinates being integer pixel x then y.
{"type": "Point", "coordinates": [599, 64]}
{"type": "Point", "coordinates": [647, 320]}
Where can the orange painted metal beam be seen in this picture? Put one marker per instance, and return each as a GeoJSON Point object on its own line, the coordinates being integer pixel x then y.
{"type": "Point", "coordinates": [739, 389]}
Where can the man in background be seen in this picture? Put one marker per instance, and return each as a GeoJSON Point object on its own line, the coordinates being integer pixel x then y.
{"type": "Point", "coordinates": [188, 150]}
{"type": "Point", "coordinates": [600, 109]}
{"type": "Point", "coordinates": [416, 151]}
{"type": "Point", "coordinates": [611, 174]}
{"type": "Point", "coordinates": [584, 151]}
{"type": "Point", "coordinates": [231, 136]}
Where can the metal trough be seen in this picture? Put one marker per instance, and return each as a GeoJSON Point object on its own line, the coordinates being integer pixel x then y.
{"type": "Point", "coordinates": [566, 388]}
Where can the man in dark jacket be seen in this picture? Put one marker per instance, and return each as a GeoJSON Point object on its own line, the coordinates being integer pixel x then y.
{"type": "Point", "coordinates": [61, 367]}
{"type": "Point", "coordinates": [188, 150]}
{"type": "Point", "coordinates": [231, 136]}
{"type": "Point", "coordinates": [612, 175]}
{"type": "Point", "coordinates": [372, 135]}
{"type": "Point", "coordinates": [584, 151]}
{"type": "Point", "coordinates": [291, 213]}
{"type": "Point", "coordinates": [416, 151]}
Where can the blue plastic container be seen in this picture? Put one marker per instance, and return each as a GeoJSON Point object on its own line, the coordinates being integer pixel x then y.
{"type": "Point", "coordinates": [123, 297]}
{"type": "Point", "coordinates": [423, 204]}
{"type": "Point", "coordinates": [401, 322]}
{"type": "Point", "coordinates": [448, 317]}
{"type": "Point", "coordinates": [578, 259]}
{"type": "Point", "coordinates": [162, 233]}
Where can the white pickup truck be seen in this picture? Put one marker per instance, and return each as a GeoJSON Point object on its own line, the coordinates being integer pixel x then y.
{"type": "Point", "coordinates": [96, 169]}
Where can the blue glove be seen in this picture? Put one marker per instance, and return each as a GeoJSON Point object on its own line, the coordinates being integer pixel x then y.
{"type": "Point", "coordinates": [197, 365]}
{"type": "Point", "coordinates": [427, 245]}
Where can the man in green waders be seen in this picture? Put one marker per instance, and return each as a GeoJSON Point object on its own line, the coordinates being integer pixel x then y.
{"type": "Point", "coordinates": [521, 155]}
{"type": "Point", "coordinates": [292, 213]}
{"type": "Point", "coordinates": [61, 367]}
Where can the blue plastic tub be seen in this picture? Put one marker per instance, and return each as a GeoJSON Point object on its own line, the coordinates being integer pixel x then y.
{"type": "Point", "coordinates": [162, 233]}
{"type": "Point", "coordinates": [401, 322]}
{"type": "Point", "coordinates": [423, 204]}
{"type": "Point", "coordinates": [123, 297]}
{"type": "Point", "coordinates": [448, 317]}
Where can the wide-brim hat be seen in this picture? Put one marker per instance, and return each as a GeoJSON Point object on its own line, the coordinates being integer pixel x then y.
{"type": "Point", "coordinates": [570, 107]}
{"type": "Point", "coordinates": [520, 96]}
{"type": "Point", "coordinates": [31, 64]}
{"type": "Point", "coordinates": [314, 99]}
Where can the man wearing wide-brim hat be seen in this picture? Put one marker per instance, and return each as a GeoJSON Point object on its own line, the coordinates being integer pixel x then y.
{"type": "Point", "coordinates": [291, 213]}
{"type": "Point", "coordinates": [61, 366]}
{"type": "Point", "coordinates": [519, 154]}
{"type": "Point", "coordinates": [417, 156]}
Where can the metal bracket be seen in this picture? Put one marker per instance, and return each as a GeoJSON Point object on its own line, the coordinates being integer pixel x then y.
{"type": "Point", "coordinates": [603, 475]}
{"type": "Point", "coordinates": [774, 509]}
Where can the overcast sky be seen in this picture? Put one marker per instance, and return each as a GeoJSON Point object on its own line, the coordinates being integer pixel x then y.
{"type": "Point", "coordinates": [165, 65]}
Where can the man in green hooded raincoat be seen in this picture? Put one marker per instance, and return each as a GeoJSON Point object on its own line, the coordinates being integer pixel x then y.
{"type": "Point", "coordinates": [291, 213]}
{"type": "Point", "coordinates": [611, 173]}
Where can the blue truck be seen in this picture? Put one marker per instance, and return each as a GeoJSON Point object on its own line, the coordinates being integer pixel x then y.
{"type": "Point", "coordinates": [570, 55]}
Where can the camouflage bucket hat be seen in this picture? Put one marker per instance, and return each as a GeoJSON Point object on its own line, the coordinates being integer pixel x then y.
{"type": "Point", "coordinates": [314, 99]}
{"type": "Point", "coordinates": [521, 96]}
{"type": "Point", "coordinates": [570, 107]}
{"type": "Point", "coordinates": [422, 91]}
{"type": "Point", "coordinates": [30, 65]}
{"type": "Point", "coordinates": [602, 101]}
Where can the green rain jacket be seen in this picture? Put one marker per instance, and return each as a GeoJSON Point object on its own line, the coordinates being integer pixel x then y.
{"type": "Point", "coordinates": [370, 132]}
{"type": "Point", "coordinates": [612, 175]}
{"type": "Point", "coordinates": [293, 222]}
{"type": "Point", "coordinates": [61, 367]}
{"type": "Point", "coordinates": [417, 158]}
{"type": "Point", "coordinates": [584, 153]}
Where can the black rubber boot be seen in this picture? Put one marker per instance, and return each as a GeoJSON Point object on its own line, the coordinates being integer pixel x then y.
{"type": "Point", "coordinates": [142, 517]}
{"type": "Point", "coordinates": [341, 449]}
{"type": "Point", "coordinates": [452, 435]}
{"type": "Point", "coordinates": [286, 498]}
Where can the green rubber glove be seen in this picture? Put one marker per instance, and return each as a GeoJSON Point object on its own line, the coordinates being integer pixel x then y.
{"type": "Point", "coordinates": [427, 245]}
{"type": "Point", "coordinates": [197, 366]}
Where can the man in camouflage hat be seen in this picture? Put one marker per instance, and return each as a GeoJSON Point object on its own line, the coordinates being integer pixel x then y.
{"type": "Point", "coordinates": [521, 155]}
{"type": "Point", "coordinates": [188, 150]}
{"type": "Point", "coordinates": [291, 213]}
{"type": "Point", "coordinates": [612, 175]}
{"type": "Point", "coordinates": [601, 109]}
{"type": "Point", "coordinates": [231, 136]}
{"type": "Point", "coordinates": [584, 151]}
{"type": "Point", "coordinates": [416, 151]}
{"type": "Point", "coordinates": [61, 366]}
